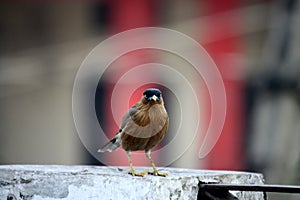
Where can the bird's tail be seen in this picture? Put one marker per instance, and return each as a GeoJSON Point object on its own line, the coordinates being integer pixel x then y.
{"type": "Point", "coordinates": [112, 145]}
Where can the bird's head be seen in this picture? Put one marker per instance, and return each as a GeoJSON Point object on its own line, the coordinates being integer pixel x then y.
{"type": "Point", "coordinates": [152, 95]}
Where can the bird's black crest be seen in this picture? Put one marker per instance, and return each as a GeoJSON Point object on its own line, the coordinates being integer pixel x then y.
{"type": "Point", "coordinates": [152, 91]}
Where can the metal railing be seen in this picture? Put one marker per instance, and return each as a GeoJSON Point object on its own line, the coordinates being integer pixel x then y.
{"type": "Point", "coordinates": [215, 191]}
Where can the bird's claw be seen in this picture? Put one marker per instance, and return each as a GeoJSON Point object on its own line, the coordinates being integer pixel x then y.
{"type": "Point", "coordinates": [141, 174]}
{"type": "Point", "coordinates": [156, 173]}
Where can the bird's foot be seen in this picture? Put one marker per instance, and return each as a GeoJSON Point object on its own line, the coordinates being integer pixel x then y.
{"type": "Point", "coordinates": [134, 173]}
{"type": "Point", "coordinates": [156, 173]}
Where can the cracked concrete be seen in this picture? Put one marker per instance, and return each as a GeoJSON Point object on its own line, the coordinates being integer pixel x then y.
{"type": "Point", "coordinates": [37, 182]}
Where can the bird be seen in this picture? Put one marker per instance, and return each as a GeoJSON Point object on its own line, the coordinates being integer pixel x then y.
{"type": "Point", "coordinates": [143, 126]}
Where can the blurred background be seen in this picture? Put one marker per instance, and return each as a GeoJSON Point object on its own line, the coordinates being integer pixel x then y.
{"type": "Point", "coordinates": [255, 45]}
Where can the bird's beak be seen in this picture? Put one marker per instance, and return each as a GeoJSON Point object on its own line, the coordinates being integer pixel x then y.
{"type": "Point", "coordinates": [154, 97]}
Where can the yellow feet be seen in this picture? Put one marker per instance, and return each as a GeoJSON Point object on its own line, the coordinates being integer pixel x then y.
{"type": "Point", "coordinates": [134, 173]}
{"type": "Point", "coordinates": [156, 173]}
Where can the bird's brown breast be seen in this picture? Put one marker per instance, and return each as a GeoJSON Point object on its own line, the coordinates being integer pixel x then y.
{"type": "Point", "coordinates": [131, 143]}
{"type": "Point", "coordinates": [146, 128]}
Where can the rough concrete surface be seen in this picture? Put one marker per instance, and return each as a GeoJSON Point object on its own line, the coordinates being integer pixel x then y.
{"type": "Point", "coordinates": [53, 182]}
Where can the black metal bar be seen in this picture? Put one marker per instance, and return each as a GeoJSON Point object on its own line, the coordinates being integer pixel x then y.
{"type": "Point", "coordinates": [252, 187]}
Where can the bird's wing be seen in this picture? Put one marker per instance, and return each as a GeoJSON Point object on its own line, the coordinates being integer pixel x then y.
{"type": "Point", "coordinates": [127, 116]}
{"type": "Point", "coordinates": [116, 142]}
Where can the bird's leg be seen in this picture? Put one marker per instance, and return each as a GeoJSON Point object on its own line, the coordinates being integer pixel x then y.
{"type": "Point", "coordinates": [155, 171]}
{"type": "Point", "coordinates": [132, 171]}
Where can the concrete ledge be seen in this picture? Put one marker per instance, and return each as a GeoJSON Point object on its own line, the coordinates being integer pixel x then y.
{"type": "Point", "coordinates": [92, 182]}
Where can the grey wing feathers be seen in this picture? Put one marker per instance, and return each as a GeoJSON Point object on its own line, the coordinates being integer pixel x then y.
{"type": "Point", "coordinates": [127, 116]}
{"type": "Point", "coordinates": [116, 142]}
{"type": "Point", "coordinates": [112, 145]}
